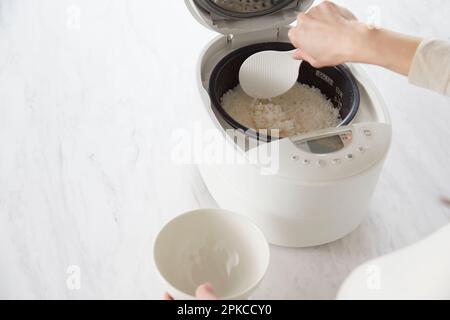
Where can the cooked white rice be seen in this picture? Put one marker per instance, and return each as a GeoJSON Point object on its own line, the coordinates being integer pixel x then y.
{"type": "Point", "coordinates": [300, 110]}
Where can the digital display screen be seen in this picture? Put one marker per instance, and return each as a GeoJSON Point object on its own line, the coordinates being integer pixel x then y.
{"type": "Point", "coordinates": [326, 145]}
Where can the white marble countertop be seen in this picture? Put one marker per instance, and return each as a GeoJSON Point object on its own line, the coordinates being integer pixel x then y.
{"type": "Point", "coordinates": [90, 92]}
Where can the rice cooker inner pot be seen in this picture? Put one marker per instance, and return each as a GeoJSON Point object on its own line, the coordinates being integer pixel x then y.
{"type": "Point", "coordinates": [336, 83]}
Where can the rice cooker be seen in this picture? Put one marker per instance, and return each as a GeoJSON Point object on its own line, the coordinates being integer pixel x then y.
{"type": "Point", "coordinates": [305, 190]}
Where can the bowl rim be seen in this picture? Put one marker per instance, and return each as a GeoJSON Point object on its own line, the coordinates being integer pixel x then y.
{"type": "Point", "coordinates": [212, 211]}
{"type": "Point", "coordinates": [342, 69]}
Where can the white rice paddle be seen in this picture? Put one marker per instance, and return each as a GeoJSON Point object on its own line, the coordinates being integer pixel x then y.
{"type": "Point", "coordinates": [269, 74]}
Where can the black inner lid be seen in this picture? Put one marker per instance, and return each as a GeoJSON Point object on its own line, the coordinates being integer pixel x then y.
{"type": "Point", "coordinates": [241, 9]}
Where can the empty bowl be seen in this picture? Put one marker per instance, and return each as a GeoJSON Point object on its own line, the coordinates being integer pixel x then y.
{"type": "Point", "coordinates": [211, 246]}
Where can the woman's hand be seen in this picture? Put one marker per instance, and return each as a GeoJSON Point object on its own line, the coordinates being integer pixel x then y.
{"type": "Point", "coordinates": [328, 35]}
{"type": "Point", "coordinates": [204, 292]}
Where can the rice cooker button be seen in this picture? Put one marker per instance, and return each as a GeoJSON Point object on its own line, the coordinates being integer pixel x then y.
{"type": "Point", "coordinates": [362, 150]}
{"type": "Point", "coordinates": [322, 163]}
{"type": "Point", "coordinates": [306, 162]}
{"type": "Point", "coordinates": [336, 162]}
{"type": "Point", "coordinates": [350, 157]}
{"type": "Point", "coordinates": [295, 158]}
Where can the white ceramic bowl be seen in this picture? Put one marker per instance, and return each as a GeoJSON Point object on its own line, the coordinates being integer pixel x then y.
{"type": "Point", "coordinates": [214, 246]}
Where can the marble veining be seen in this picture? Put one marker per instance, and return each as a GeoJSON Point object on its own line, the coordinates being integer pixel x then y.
{"type": "Point", "coordinates": [90, 93]}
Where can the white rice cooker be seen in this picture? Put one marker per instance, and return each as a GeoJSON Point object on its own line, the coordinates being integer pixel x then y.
{"type": "Point", "coordinates": [323, 181]}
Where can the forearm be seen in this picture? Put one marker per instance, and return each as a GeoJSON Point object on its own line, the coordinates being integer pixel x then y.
{"type": "Point", "coordinates": [391, 50]}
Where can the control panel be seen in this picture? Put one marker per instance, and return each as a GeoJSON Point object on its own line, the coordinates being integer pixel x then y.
{"type": "Point", "coordinates": [336, 154]}
{"type": "Point", "coordinates": [326, 144]}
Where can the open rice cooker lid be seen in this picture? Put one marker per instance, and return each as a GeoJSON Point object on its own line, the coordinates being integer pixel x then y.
{"type": "Point", "coordinates": [242, 16]}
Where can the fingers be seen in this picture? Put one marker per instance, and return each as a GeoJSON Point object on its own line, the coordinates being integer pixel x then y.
{"type": "Point", "coordinates": [446, 201]}
{"type": "Point", "coordinates": [294, 35]}
{"type": "Point", "coordinates": [167, 297]}
{"type": "Point", "coordinates": [205, 292]}
{"type": "Point", "coordinates": [295, 38]}
{"type": "Point", "coordinates": [299, 55]}
{"type": "Point", "coordinates": [323, 7]}
{"type": "Point", "coordinates": [328, 5]}
{"type": "Point", "coordinates": [301, 19]}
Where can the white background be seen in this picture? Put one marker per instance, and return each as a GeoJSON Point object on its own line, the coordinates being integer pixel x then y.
{"type": "Point", "coordinates": [90, 93]}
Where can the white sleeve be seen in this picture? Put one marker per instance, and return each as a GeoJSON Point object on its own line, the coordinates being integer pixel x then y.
{"type": "Point", "coordinates": [431, 66]}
